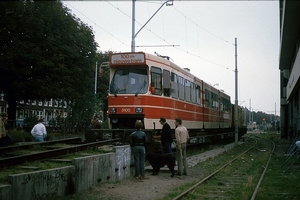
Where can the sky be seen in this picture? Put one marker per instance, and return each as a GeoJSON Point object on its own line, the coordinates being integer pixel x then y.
{"type": "Point", "coordinates": [211, 38]}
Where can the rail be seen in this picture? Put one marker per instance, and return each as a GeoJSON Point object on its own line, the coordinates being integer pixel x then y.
{"type": "Point", "coordinates": [16, 160]}
{"type": "Point", "coordinates": [192, 188]}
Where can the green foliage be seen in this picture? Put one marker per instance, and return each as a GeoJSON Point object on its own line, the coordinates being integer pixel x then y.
{"type": "Point", "coordinates": [45, 53]}
{"type": "Point", "coordinates": [101, 101]}
{"type": "Point", "coordinates": [20, 136]}
{"type": "Point", "coordinates": [29, 122]}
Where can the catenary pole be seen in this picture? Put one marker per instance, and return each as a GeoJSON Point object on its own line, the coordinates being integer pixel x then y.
{"type": "Point", "coordinates": [236, 97]}
{"type": "Point", "coordinates": [133, 27]}
{"type": "Point", "coordinates": [133, 34]}
{"type": "Point", "coordinates": [95, 91]}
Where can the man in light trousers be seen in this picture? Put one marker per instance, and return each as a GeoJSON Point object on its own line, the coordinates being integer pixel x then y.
{"type": "Point", "coordinates": [39, 131]}
{"type": "Point", "coordinates": [182, 136]}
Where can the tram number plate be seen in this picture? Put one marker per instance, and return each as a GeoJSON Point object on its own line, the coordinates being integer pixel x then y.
{"type": "Point", "coordinates": [107, 136]}
{"type": "Point", "coordinates": [126, 110]}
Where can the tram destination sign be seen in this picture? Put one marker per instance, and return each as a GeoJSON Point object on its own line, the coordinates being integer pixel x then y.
{"type": "Point", "coordinates": [137, 58]}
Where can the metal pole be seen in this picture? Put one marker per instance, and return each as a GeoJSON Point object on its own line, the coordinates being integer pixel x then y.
{"type": "Point", "coordinates": [245, 122]}
{"type": "Point", "coordinates": [133, 27]}
{"type": "Point", "coordinates": [96, 78]}
{"type": "Point", "coordinates": [133, 34]}
{"type": "Point", "coordinates": [249, 111]}
{"type": "Point", "coordinates": [236, 96]}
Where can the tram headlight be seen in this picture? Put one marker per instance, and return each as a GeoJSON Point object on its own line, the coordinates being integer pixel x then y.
{"type": "Point", "coordinates": [138, 110]}
{"type": "Point", "coordinates": [113, 110]}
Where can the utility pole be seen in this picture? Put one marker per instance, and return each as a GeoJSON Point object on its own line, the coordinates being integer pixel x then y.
{"type": "Point", "coordinates": [133, 34]}
{"type": "Point", "coordinates": [236, 97]}
{"type": "Point", "coordinates": [96, 71]}
{"type": "Point", "coordinates": [249, 111]}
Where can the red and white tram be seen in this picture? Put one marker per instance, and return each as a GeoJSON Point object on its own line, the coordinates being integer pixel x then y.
{"type": "Point", "coordinates": [146, 87]}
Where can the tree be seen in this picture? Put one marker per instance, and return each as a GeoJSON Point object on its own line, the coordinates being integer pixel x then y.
{"type": "Point", "coordinates": [102, 83]}
{"type": "Point", "coordinates": [46, 53]}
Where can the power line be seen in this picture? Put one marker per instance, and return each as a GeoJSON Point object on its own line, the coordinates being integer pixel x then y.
{"type": "Point", "coordinates": [98, 25]}
{"type": "Point", "coordinates": [162, 39]}
{"type": "Point", "coordinates": [226, 41]}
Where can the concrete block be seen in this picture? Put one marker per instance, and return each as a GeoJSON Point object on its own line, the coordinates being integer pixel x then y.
{"type": "Point", "coordinates": [123, 155]}
{"type": "Point", "coordinates": [6, 192]}
{"type": "Point", "coordinates": [43, 184]}
{"type": "Point", "coordinates": [92, 170]}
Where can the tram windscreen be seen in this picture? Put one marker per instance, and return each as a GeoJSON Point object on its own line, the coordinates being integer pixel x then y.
{"type": "Point", "coordinates": [129, 81]}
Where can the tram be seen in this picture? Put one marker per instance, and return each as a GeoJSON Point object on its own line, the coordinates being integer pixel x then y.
{"type": "Point", "coordinates": [145, 87]}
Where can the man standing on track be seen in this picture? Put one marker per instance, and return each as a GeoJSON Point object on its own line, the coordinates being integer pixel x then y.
{"type": "Point", "coordinates": [166, 137]}
{"type": "Point", "coordinates": [182, 136]}
{"type": "Point", "coordinates": [39, 131]}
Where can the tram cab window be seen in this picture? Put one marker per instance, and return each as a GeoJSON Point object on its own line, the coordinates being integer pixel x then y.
{"type": "Point", "coordinates": [166, 82]}
{"type": "Point", "coordinates": [174, 85]}
{"type": "Point", "coordinates": [156, 80]}
{"type": "Point", "coordinates": [129, 81]}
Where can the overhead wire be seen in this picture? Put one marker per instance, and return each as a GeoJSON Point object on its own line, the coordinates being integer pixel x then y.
{"type": "Point", "coordinates": [99, 25]}
{"type": "Point", "coordinates": [161, 38]}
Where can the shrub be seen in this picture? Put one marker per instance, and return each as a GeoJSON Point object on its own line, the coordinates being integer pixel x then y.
{"type": "Point", "coordinates": [20, 136]}
{"type": "Point", "coordinates": [29, 122]}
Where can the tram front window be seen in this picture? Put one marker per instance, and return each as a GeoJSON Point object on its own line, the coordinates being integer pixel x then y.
{"type": "Point", "coordinates": [129, 81]}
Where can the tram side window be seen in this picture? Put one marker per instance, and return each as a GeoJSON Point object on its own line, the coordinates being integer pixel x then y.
{"type": "Point", "coordinates": [166, 82]}
{"type": "Point", "coordinates": [156, 80]}
{"type": "Point", "coordinates": [181, 87]}
{"type": "Point", "coordinates": [187, 90]}
{"type": "Point", "coordinates": [208, 102]}
{"type": "Point", "coordinates": [214, 100]}
{"type": "Point", "coordinates": [198, 92]}
{"type": "Point", "coordinates": [174, 85]}
{"type": "Point", "coordinates": [222, 104]}
{"type": "Point", "coordinates": [193, 93]}
{"type": "Point", "coordinates": [226, 104]}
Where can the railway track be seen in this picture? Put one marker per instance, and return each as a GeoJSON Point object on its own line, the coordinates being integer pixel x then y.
{"type": "Point", "coordinates": [240, 177]}
{"type": "Point", "coordinates": [12, 158]}
{"type": "Point", "coordinates": [5, 150]}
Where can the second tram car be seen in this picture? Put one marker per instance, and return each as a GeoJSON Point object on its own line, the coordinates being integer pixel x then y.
{"type": "Point", "coordinates": [146, 87]}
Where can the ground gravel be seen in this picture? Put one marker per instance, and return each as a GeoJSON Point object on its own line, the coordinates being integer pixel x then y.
{"type": "Point", "coordinates": [154, 187]}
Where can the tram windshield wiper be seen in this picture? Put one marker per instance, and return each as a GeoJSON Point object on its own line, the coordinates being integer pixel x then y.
{"type": "Point", "coordinates": [140, 88]}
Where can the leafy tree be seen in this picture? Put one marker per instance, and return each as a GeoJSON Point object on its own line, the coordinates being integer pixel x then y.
{"type": "Point", "coordinates": [45, 53]}
{"type": "Point", "coordinates": [102, 83]}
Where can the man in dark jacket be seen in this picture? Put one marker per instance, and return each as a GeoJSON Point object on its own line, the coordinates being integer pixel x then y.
{"type": "Point", "coordinates": [166, 137]}
{"type": "Point", "coordinates": [138, 140]}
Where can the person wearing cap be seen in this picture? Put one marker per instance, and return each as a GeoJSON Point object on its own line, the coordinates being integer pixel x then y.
{"type": "Point", "coordinates": [166, 137]}
{"type": "Point", "coordinates": [182, 136]}
{"type": "Point", "coordinates": [39, 131]}
{"type": "Point", "coordinates": [5, 138]}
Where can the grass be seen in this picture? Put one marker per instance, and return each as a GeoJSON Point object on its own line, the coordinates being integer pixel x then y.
{"type": "Point", "coordinates": [275, 185]}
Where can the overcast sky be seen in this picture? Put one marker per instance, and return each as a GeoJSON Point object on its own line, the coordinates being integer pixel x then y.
{"type": "Point", "coordinates": [199, 35]}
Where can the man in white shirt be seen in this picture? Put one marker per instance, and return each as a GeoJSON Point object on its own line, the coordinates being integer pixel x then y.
{"type": "Point", "coordinates": [182, 137]}
{"type": "Point", "coordinates": [39, 131]}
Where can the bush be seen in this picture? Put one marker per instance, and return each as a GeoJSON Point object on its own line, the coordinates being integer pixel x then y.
{"type": "Point", "coordinates": [29, 122]}
{"type": "Point", "coordinates": [104, 125]}
{"type": "Point", "coordinates": [20, 136]}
